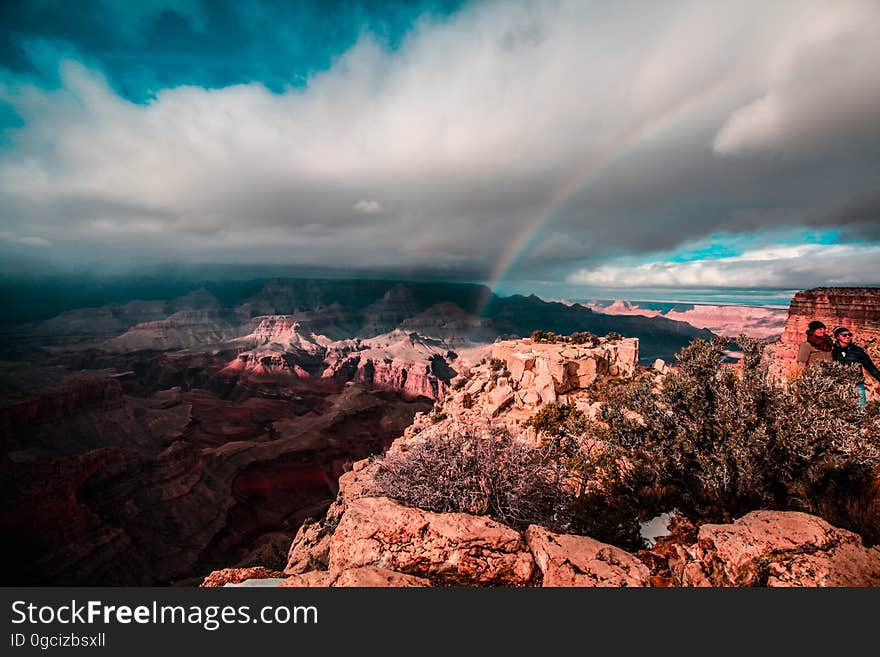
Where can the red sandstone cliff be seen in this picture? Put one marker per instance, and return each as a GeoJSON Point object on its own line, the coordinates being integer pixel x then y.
{"type": "Point", "coordinates": [855, 307]}
{"type": "Point", "coordinates": [366, 539]}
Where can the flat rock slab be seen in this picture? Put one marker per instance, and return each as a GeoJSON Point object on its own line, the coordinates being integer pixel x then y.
{"type": "Point", "coordinates": [569, 560]}
{"type": "Point", "coordinates": [456, 547]}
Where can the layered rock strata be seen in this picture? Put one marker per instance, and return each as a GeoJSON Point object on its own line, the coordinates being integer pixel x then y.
{"type": "Point", "coordinates": [857, 308]}
{"type": "Point", "coordinates": [362, 529]}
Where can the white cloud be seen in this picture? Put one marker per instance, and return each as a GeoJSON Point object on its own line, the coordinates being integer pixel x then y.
{"type": "Point", "coordinates": [368, 206]}
{"type": "Point", "coordinates": [779, 267]}
{"type": "Point", "coordinates": [466, 132]}
{"type": "Point", "coordinates": [812, 91]}
{"type": "Point", "coordinates": [26, 240]}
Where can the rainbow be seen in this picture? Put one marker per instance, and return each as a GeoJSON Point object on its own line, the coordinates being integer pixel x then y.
{"type": "Point", "coordinates": [524, 239]}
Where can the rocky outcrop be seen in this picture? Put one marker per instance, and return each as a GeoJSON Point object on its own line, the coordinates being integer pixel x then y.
{"type": "Point", "coordinates": [568, 366]}
{"type": "Point", "coordinates": [227, 576]}
{"type": "Point", "coordinates": [522, 376]}
{"type": "Point", "coordinates": [730, 321]}
{"type": "Point", "coordinates": [455, 547]}
{"type": "Point", "coordinates": [777, 548]}
{"type": "Point", "coordinates": [75, 396]}
{"type": "Point", "coordinates": [855, 307]}
{"type": "Point", "coordinates": [568, 560]}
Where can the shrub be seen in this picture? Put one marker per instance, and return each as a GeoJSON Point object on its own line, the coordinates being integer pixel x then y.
{"type": "Point", "coordinates": [718, 441]}
{"type": "Point", "coordinates": [467, 400]}
{"type": "Point", "coordinates": [496, 364]}
{"type": "Point", "coordinates": [613, 336]}
{"type": "Point", "coordinates": [494, 475]}
{"type": "Point", "coordinates": [584, 337]}
{"type": "Point", "coordinates": [581, 337]}
{"type": "Point", "coordinates": [545, 336]}
{"type": "Point", "coordinates": [593, 503]}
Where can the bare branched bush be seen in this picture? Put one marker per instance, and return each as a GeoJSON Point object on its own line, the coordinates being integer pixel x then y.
{"type": "Point", "coordinates": [494, 475]}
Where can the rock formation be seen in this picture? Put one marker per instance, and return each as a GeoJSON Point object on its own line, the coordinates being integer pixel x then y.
{"type": "Point", "coordinates": [729, 320]}
{"type": "Point", "coordinates": [150, 442]}
{"type": "Point", "coordinates": [855, 307]}
{"type": "Point", "coordinates": [777, 548]}
{"type": "Point", "coordinates": [100, 485]}
{"type": "Point", "coordinates": [363, 529]}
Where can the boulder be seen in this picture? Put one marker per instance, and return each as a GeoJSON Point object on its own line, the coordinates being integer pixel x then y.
{"type": "Point", "coordinates": [311, 579]}
{"type": "Point", "coordinates": [778, 548]}
{"type": "Point", "coordinates": [309, 549]}
{"type": "Point", "coordinates": [568, 560]}
{"type": "Point", "coordinates": [475, 386]}
{"type": "Point", "coordinates": [378, 577]}
{"type": "Point", "coordinates": [545, 387]}
{"type": "Point", "coordinates": [366, 576]}
{"type": "Point", "coordinates": [498, 400]}
{"type": "Point", "coordinates": [519, 364]}
{"type": "Point", "coordinates": [585, 372]}
{"type": "Point", "coordinates": [226, 576]}
{"type": "Point", "coordinates": [453, 547]}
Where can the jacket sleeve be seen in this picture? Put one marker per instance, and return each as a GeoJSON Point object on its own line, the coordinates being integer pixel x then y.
{"type": "Point", "coordinates": [869, 366]}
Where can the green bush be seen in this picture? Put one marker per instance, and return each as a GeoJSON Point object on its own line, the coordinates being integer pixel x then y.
{"type": "Point", "coordinates": [714, 441]}
{"type": "Point", "coordinates": [718, 441]}
{"type": "Point", "coordinates": [581, 337]}
{"type": "Point", "coordinates": [561, 428]}
{"type": "Point", "coordinates": [584, 337]}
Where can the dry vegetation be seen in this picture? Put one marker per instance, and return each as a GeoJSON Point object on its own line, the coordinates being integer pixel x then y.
{"type": "Point", "coordinates": [714, 441]}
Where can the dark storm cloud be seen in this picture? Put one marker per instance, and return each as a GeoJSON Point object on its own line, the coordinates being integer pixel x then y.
{"type": "Point", "coordinates": [434, 143]}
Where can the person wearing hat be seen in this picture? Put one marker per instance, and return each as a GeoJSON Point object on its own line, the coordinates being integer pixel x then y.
{"type": "Point", "coordinates": [844, 351]}
{"type": "Point", "coordinates": [817, 346]}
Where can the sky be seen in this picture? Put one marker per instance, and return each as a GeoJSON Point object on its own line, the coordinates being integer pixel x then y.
{"type": "Point", "coordinates": [564, 148]}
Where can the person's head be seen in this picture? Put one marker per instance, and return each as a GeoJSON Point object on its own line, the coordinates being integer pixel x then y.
{"type": "Point", "coordinates": [817, 329]}
{"type": "Point", "coordinates": [843, 336]}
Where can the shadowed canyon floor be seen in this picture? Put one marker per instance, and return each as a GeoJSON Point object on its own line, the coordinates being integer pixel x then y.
{"type": "Point", "coordinates": [150, 441]}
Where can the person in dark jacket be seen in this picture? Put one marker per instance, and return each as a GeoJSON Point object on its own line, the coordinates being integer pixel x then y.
{"type": "Point", "coordinates": [845, 351]}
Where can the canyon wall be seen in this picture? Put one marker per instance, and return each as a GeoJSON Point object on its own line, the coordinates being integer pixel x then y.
{"type": "Point", "coordinates": [857, 308]}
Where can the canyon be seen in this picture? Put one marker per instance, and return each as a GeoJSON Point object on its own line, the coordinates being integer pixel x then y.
{"type": "Point", "coordinates": [235, 435]}
{"type": "Point", "coordinates": [150, 441]}
{"type": "Point", "coordinates": [729, 321]}
{"type": "Point", "coordinates": [366, 538]}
